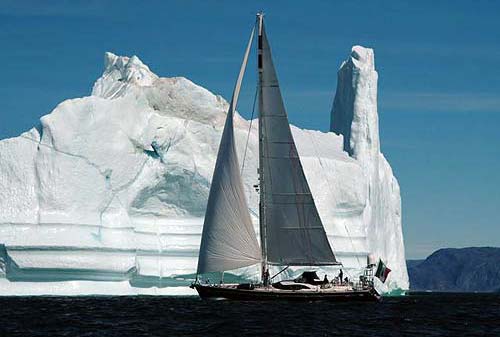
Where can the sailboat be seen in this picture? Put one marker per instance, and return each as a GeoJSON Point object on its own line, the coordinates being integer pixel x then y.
{"type": "Point", "coordinates": [291, 230]}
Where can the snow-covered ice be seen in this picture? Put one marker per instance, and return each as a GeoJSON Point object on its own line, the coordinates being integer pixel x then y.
{"type": "Point", "coordinates": [113, 187]}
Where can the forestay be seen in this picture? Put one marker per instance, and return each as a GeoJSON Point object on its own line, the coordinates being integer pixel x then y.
{"type": "Point", "coordinates": [292, 231]}
{"type": "Point", "coordinates": [228, 240]}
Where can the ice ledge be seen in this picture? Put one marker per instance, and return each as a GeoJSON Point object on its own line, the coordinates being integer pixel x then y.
{"type": "Point", "coordinates": [80, 288]}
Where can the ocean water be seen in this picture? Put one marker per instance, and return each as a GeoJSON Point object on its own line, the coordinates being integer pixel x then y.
{"type": "Point", "coordinates": [413, 315]}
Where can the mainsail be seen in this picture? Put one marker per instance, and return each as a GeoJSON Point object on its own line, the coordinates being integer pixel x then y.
{"type": "Point", "coordinates": [291, 230]}
{"type": "Point", "coordinates": [228, 239]}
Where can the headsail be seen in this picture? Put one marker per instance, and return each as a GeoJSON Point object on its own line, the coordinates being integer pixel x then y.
{"type": "Point", "coordinates": [228, 240]}
{"type": "Point", "coordinates": [291, 230]}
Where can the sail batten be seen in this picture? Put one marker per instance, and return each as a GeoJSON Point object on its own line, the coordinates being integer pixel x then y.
{"type": "Point", "coordinates": [228, 239]}
{"type": "Point", "coordinates": [291, 229]}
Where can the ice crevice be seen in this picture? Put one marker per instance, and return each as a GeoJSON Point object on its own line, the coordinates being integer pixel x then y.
{"type": "Point", "coordinates": [115, 191]}
{"type": "Point", "coordinates": [53, 148]}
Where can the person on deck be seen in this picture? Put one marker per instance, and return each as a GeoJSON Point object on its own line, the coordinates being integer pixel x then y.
{"type": "Point", "coordinates": [325, 280]}
{"type": "Point", "coordinates": [266, 277]}
{"type": "Point", "coordinates": [341, 276]}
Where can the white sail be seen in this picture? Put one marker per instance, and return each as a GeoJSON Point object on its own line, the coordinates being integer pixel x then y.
{"type": "Point", "coordinates": [291, 230]}
{"type": "Point", "coordinates": [228, 240]}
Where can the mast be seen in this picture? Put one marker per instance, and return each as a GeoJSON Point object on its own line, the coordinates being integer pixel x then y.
{"type": "Point", "coordinates": [262, 218]}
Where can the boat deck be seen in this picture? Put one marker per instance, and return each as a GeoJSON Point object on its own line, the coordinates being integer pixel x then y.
{"type": "Point", "coordinates": [312, 293]}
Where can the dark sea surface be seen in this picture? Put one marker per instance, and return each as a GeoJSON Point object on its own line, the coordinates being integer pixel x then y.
{"type": "Point", "coordinates": [413, 315]}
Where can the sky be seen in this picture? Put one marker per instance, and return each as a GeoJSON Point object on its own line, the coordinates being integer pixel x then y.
{"type": "Point", "coordinates": [438, 66]}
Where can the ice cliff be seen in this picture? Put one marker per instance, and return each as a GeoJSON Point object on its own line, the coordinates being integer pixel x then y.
{"type": "Point", "coordinates": [113, 187]}
{"type": "Point", "coordinates": [355, 117]}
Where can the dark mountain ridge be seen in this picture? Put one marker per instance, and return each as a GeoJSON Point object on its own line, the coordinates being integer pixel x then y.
{"type": "Point", "coordinates": [473, 269]}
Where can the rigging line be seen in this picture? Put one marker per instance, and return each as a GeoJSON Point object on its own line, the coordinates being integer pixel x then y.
{"type": "Point", "coordinates": [251, 118]}
{"type": "Point", "coordinates": [282, 270]}
{"type": "Point", "coordinates": [249, 130]}
{"type": "Point", "coordinates": [330, 187]}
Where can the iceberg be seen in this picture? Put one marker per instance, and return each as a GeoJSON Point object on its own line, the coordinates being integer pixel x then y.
{"type": "Point", "coordinates": [108, 194]}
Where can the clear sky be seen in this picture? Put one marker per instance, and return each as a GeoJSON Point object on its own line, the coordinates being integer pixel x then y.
{"type": "Point", "coordinates": [438, 65]}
